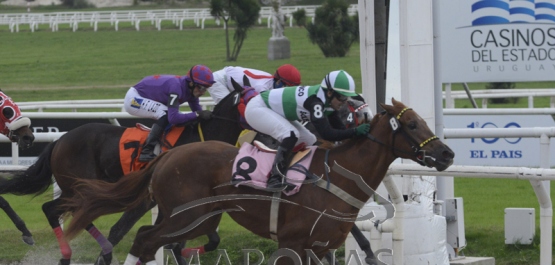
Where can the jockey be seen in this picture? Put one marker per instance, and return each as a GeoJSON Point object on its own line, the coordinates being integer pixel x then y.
{"type": "Point", "coordinates": [286, 75]}
{"type": "Point", "coordinates": [158, 97]}
{"type": "Point", "coordinates": [277, 113]}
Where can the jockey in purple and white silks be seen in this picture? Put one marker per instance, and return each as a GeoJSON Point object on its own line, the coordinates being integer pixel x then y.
{"type": "Point", "coordinates": [286, 75]}
{"type": "Point", "coordinates": [277, 113]}
{"type": "Point", "coordinates": [158, 97]}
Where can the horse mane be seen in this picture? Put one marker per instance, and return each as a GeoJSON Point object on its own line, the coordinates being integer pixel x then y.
{"type": "Point", "coordinates": [223, 105]}
{"type": "Point", "coordinates": [373, 124]}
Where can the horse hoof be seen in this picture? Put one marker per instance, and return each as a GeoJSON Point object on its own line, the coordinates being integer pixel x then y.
{"type": "Point", "coordinates": [371, 261]}
{"type": "Point", "coordinates": [64, 262]}
{"type": "Point", "coordinates": [105, 259]}
{"type": "Point", "coordinates": [28, 240]}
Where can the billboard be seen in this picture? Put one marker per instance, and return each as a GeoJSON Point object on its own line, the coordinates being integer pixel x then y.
{"type": "Point", "coordinates": [510, 152]}
{"type": "Point", "coordinates": [497, 40]}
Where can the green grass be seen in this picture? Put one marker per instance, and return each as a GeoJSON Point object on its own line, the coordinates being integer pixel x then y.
{"type": "Point", "coordinates": [484, 203]}
{"type": "Point", "coordinates": [85, 64]}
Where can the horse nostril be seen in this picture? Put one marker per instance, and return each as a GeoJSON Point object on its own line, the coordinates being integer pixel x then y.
{"type": "Point", "coordinates": [448, 154]}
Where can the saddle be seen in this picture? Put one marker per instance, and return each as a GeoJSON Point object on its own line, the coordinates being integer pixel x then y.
{"type": "Point", "coordinates": [132, 141]}
{"type": "Point", "coordinates": [253, 164]}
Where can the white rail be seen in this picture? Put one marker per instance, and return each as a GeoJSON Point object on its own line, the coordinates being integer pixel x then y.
{"type": "Point", "coordinates": [134, 17]}
{"type": "Point", "coordinates": [449, 97]}
{"type": "Point", "coordinates": [529, 93]}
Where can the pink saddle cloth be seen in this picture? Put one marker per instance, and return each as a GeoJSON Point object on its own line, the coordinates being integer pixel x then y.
{"type": "Point", "coordinates": [252, 166]}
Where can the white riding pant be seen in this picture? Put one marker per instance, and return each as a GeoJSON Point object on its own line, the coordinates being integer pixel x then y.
{"type": "Point", "coordinates": [219, 90]}
{"type": "Point", "coordinates": [266, 121]}
{"type": "Point", "coordinates": [137, 105]}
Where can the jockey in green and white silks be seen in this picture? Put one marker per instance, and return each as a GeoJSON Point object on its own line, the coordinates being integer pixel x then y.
{"type": "Point", "coordinates": [277, 113]}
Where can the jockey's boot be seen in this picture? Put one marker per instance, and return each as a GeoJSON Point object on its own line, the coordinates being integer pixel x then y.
{"type": "Point", "coordinates": [152, 139]}
{"type": "Point", "coordinates": [281, 163]}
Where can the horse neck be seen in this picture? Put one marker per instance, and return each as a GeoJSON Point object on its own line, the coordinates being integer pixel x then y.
{"type": "Point", "coordinates": [364, 157]}
{"type": "Point", "coordinates": [221, 130]}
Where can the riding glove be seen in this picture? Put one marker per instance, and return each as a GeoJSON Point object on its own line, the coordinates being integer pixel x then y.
{"type": "Point", "coordinates": [204, 114]}
{"type": "Point", "coordinates": [362, 129]}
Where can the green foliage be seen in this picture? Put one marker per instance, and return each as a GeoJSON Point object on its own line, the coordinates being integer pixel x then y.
{"type": "Point", "coordinates": [299, 17]}
{"type": "Point", "coordinates": [333, 30]}
{"type": "Point", "coordinates": [501, 85]}
{"type": "Point", "coordinates": [245, 15]}
{"type": "Point", "coordinates": [77, 4]}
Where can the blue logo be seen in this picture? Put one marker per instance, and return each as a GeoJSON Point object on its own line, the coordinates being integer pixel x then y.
{"type": "Point", "coordinates": [493, 125]}
{"type": "Point", "coordinates": [136, 103]}
{"type": "Point", "coordinates": [491, 12]}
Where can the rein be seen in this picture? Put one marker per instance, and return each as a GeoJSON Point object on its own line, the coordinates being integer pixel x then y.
{"type": "Point", "coordinates": [415, 146]}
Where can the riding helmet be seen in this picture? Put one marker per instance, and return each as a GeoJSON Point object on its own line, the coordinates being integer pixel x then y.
{"type": "Point", "coordinates": [202, 75]}
{"type": "Point", "coordinates": [289, 75]}
{"type": "Point", "coordinates": [340, 82]}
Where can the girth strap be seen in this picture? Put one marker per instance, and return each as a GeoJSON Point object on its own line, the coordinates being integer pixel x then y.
{"type": "Point", "coordinates": [341, 194]}
{"type": "Point", "coordinates": [274, 210]}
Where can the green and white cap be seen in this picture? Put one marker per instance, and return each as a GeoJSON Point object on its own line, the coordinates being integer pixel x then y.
{"type": "Point", "coordinates": [340, 82]}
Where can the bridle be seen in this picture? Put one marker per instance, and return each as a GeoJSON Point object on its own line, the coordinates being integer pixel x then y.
{"type": "Point", "coordinates": [415, 146]}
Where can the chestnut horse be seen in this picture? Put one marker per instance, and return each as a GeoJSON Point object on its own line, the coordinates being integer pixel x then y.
{"type": "Point", "coordinates": [191, 185]}
{"type": "Point", "coordinates": [16, 128]}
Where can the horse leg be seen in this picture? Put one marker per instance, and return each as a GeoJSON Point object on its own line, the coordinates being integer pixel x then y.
{"type": "Point", "coordinates": [138, 248]}
{"type": "Point", "coordinates": [364, 244]}
{"type": "Point", "coordinates": [53, 214]}
{"type": "Point", "coordinates": [122, 227]}
{"type": "Point", "coordinates": [27, 237]}
{"type": "Point", "coordinates": [213, 242]}
{"type": "Point", "coordinates": [106, 246]}
{"type": "Point", "coordinates": [176, 250]}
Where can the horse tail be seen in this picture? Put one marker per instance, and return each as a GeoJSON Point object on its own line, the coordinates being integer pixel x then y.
{"type": "Point", "coordinates": [35, 180]}
{"type": "Point", "coordinates": [95, 198]}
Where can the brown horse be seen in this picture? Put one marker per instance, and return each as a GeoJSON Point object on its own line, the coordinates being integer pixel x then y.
{"type": "Point", "coordinates": [24, 138]}
{"type": "Point", "coordinates": [16, 129]}
{"type": "Point", "coordinates": [191, 185]}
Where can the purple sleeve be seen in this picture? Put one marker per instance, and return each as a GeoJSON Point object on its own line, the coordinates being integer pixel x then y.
{"type": "Point", "coordinates": [176, 117]}
{"type": "Point", "coordinates": [194, 104]}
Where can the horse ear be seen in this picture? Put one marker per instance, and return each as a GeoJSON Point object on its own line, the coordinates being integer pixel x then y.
{"type": "Point", "coordinates": [236, 86]}
{"type": "Point", "coordinates": [246, 81]}
{"type": "Point", "coordinates": [387, 108]}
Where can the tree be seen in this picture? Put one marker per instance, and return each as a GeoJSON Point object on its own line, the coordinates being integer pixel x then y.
{"type": "Point", "coordinates": [501, 85]}
{"type": "Point", "coordinates": [245, 15]}
{"type": "Point", "coordinates": [333, 30]}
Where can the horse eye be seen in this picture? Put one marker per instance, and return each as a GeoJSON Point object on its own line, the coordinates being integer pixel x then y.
{"type": "Point", "coordinates": [412, 125]}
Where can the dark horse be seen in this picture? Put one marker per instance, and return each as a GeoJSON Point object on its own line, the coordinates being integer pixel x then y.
{"type": "Point", "coordinates": [91, 151]}
{"type": "Point", "coordinates": [23, 136]}
{"type": "Point", "coordinates": [191, 185]}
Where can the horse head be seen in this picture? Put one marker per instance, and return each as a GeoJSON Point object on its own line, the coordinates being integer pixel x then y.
{"type": "Point", "coordinates": [413, 139]}
{"type": "Point", "coordinates": [13, 125]}
{"type": "Point", "coordinates": [354, 113]}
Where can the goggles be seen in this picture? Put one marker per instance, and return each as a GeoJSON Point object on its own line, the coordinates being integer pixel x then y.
{"type": "Point", "coordinates": [340, 97]}
{"type": "Point", "coordinates": [201, 88]}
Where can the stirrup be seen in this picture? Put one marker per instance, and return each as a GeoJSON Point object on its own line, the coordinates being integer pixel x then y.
{"type": "Point", "coordinates": [277, 182]}
{"type": "Point", "coordinates": [146, 157]}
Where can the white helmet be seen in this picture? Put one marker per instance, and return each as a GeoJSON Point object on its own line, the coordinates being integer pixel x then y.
{"type": "Point", "coordinates": [340, 82]}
